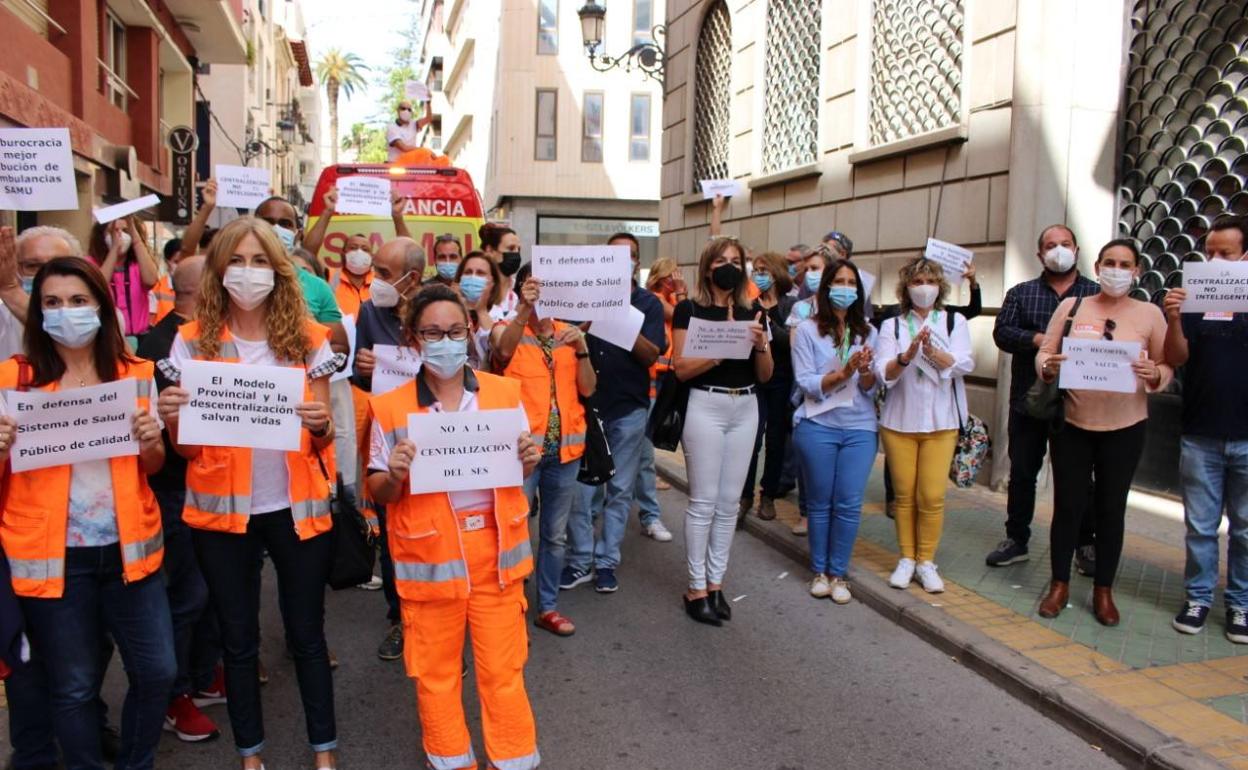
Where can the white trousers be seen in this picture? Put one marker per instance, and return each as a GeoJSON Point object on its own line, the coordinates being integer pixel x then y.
{"type": "Point", "coordinates": [718, 441]}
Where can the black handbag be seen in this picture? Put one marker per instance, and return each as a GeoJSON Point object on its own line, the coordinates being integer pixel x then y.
{"type": "Point", "coordinates": [667, 419]}
{"type": "Point", "coordinates": [597, 465]}
{"type": "Point", "coordinates": [353, 547]}
{"type": "Point", "coordinates": [1044, 400]}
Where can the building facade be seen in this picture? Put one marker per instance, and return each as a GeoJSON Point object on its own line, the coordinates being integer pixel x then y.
{"type": "Point", "coordinates": [971, 121]}
{"type": "Point", "coordinates": [119, 74]}
{"type": "Point", "coordinates": [564, 153]}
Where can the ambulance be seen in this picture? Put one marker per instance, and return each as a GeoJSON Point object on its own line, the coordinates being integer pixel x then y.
{"type": "Point", "coordinates": [436, 200]}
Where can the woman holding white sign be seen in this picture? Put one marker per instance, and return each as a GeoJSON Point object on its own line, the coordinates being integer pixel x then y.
{"type": "Point", "coordinates": [244, 502]}
{"type": "Point", "coordinates": [460, 557]}
{"type": "Point", "coordinates": [720, 422]}
{"type": "Point", "coordinates": [835, 437]}
{"type": "Point", "coordinates": [1103, 437]}
{"type": "Point", "coordinates": [923, 355]}
{"type": "Point", "coordinates": [84, 541]}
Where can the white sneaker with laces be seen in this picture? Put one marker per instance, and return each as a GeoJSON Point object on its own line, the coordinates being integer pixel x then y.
{"type": "Point", "coordinates": [840, 591]}
{"type": "Point", "coordinates": [929, 579]}
{"type": "Point", "coordinates": [373, 584]}
{"type": "Point", "coordinates": [819, 587]}
{"type": "Point", "coordinates": [660, 533]}
{"type": "Point", "coordinates": [904, 573]}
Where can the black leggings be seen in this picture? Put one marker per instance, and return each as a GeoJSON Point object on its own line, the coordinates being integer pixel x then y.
{"type": "Point", "coordinates": [1078, 454]}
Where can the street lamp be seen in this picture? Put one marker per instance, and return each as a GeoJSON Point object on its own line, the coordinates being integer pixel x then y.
{"type": "Point", "coordinates": [648, 57]}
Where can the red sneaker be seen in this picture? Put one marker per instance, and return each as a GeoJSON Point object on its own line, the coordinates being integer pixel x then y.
{"type": "Point", "coordinates": [188, 722]}
{"type": "Point", "coordinates": [213, 693]}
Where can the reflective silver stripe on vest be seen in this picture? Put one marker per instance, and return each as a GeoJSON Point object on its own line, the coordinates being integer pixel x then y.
{"type": "Point", "coordinates": [223, 505]}
{"type": "Point", "coordinates": [309, 509]}
{"type": "Point", "coordinates": [395, 436]}
{"type": "Point", "coordinates": [145, 388]}
{"type": "Point", "coordinates": [454, 763]}
{"type": "Point", "coordinates": [527, 762]}
{"type": "Point", "coordinates": [227, 349]}
{"type": "Point", "coordinates": [572, 439]}
{"type": "Point", "coordinates": [136, 552]}
{"type": "Point", "coordinates": [37, 569]}
{"type": "Point", "coordinates": [516, 556]}
{"type": "Point", "coordinates": [425, 572]}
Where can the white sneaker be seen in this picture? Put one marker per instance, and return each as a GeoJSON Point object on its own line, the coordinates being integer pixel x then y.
{"type": "Point", "coordinates": [660, 533]}
{"type": "Point", "coordinates": [373, 584]}
{"type": "Point", "coordinates": [840, 591]}
{"type": "Point", "coordinates": [819, 587]}
{"type": "Point", "coordinates": [904, 573]}
{"type": "Point", "coordinates": [926, 572]}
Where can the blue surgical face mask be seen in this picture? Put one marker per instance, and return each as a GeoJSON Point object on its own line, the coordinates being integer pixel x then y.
{"type": "Point", "coordinates": [842, 296]}
{"type": "Point", "coordinates": [73, 327]}
{"type": "Point", "coordinates": [28, 283]}
{"type": "Point", "coordinates": [445, 357]}
{"type": "Point", "coordinates": [812, 279]}
{"type": "Point", "coordinates": [761, 280]}
{"type": "Point", "coordinates": [792, 269]}
{"type": "Point", "coordinates": [287, 237]}
{"type": "Point", "coordinates": [803, 309]}
{"type": "Point", "coordinates": [472, 287]}
{"type": "Point", "coordinates": [447, 269]}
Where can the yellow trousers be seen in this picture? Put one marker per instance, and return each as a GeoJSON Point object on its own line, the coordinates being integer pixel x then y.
{"type": "Point", "coordinates": [919, 465]}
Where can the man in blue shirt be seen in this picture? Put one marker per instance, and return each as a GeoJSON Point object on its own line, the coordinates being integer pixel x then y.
{"type": "Point", "coordinates": [623, 401]}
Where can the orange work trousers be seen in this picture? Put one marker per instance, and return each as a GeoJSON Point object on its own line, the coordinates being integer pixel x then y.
{"type": "Point", "coordinates": [433, 636]}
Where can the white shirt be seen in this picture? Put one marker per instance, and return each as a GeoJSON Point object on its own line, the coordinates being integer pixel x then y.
{"type": "Point", "coordinates": [506, 310]}
{"type": "Point", "coordinates": [405, 133]}
{"type": "Point", "coordinates": [918, 403]}
{"type": "Point", "coordinates": [481, 500]}
{"type": "Point", "coordinates": [11, 331]}
{"type": "Point", "coordinates": [270, 478]}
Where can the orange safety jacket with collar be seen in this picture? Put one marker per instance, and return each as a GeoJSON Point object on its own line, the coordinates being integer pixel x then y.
{"type": "Point", "coordinates": [218, 480]}
{"type": "Point", "coordinates": [664, 361]}
{"type": "Point", "coordinates": [35, 515]}
{"type": "Point", "coordinates": [423, 529]}
{"type": "Point", "coordinates": [347, 294]}
{"type": "Point", "coordinates": [163, 292]}
{"type": "Point", "coordinates": [528, 366]}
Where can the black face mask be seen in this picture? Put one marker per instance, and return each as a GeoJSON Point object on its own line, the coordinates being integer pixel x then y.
{"type": "Point", "coordinates": [727, 277]}
{"type": "Point", "coordinates": [510, 264]}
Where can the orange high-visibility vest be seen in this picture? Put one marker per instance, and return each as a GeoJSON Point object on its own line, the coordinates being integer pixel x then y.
{"type": "Point", "coordinates": [163, 292]}
{"type": "Point", "coordinates": [218, 481]}
{"type": "Point", "coordinates": [36, 509]}
{"type": "Point", "coordinates": [348, 296]}
{"type": "Point", "coordinates": [423, 530]}
{"type": "Point", "coordinates": [664, 361]}
{"type": "Point", "coordinates": [528, 365]}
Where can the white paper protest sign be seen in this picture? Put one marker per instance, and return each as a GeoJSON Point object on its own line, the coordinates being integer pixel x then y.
{"type": "Point", "coordinates": [621, 332]}
{"type": "Point", "coordinates": [1216, 285]}
{"type": "Point", "coordinates": [241, 405]}
{"type": "Point", "coordinates": [241, 187]}
{"type": "Point", "coordinates": [717, 339]}
{"type": "Point", "coordinates": [950, 256]}
{"type": "Point", "coordinates": [37, 170]}
{"type": "Point", "coordinates": [868, 283]}
{"type": "Point", "coordinates": [416, 90]}
{"type": "Point", "coordinates": [348, 326]}
{"type": "Point", "coordinates": [456, 451]}
{"type": "Point", "coordinates": [724, 187]}
{"type": "Point", "coordinates": [841, 395]}
{"type": "Point", "coordinates": [937, 339]}
{"type": "Point", "coordinates": [63, 427]}
{"type": "Point", "coordinates": [364, 195]}
{"type": "Point", "coordinates": [583, 283]}
{"type": "Point", "coordinates": [1099, 365]}
{"type": "Point", "coordinates": [394, 366]}
{"type": "Point", "coordinates": [119, 210]}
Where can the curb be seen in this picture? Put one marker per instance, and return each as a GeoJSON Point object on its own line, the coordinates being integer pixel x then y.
{"type": "Point", "coordinates": [1104, 724]}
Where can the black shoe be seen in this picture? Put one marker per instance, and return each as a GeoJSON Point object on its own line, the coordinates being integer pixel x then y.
{"type": "Point", "coordinates": [1008, 552]}
{"type": "Point", "coordinates": [110, 743]}
{"type": "Point", "coordinates": [701, 611]}
{"type": "Point", "coordinates": [719, 604]}
{"type": "Point", "coordinates": [1191, 619]}
{"type": "Point", "coordinates": [1085, 560]}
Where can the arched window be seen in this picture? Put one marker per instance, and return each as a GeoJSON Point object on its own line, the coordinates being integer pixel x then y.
{"type": "Point", "coordinates": [711, 96]}
{"type": "Point", "coordinates": [791, 107]}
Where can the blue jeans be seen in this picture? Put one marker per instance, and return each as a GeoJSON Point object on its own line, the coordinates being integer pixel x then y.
{"type": "Point", "coordinates": [646, 494]}
{"type": "Point", "coordinates": [66, 633]}
{"type": "Point", "coordinates": [555, 483]}
{"type": "Point", "coordinates": [837, 463]}
{"type": "Point", "coordinates": [196, 639]}
{"type": "Point", "coordinates": [1214, 473]}
{"type": "Point", "coordinates": [625, 436]}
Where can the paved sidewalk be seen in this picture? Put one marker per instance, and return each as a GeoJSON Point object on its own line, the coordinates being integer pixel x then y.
{"type": "Point", "coordinates": [1144, 691]}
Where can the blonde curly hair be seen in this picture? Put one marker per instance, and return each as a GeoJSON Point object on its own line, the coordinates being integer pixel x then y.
{"type": "Point", "coordinates": [287, 312]}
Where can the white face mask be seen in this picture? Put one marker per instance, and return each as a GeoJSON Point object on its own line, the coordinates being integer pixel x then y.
{"type": "Point", "coordinates": [383, 294]}
{"type": "Point", "coordinates": [1059, 259]}
{"type": "Point", "coordinates": [923, 296]}
{"type": "Point", "coordinates": [1115, 281]}
{"type": "Point", "coordinates": [358, 261]}
{"type": "Point", "coordinates": [405, 115]}
{"type": "Point", "coordinates": [126, 241]}
{"type": "Point", "coordinates": [249, 287]}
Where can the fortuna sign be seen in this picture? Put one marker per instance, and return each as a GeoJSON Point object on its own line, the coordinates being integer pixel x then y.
{"type": "Point", "coordinates": [180, 205]}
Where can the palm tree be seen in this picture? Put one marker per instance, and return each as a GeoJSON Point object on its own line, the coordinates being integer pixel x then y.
{"type": "Point", "coordinates": [356, 139]}
{"type": "Point", "coordinates": [341, 73]}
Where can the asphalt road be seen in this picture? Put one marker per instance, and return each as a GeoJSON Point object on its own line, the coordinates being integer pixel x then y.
{"type": "Point", "coordinates": [791, 683]}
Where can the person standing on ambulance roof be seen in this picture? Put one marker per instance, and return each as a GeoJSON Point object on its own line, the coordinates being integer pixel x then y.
{"type": "Point", "coordinates": [460, 558]}
{"type": "Point", "coordinates": [84, 541]}
{"type": "Point", "coordinates": [244, 502]}
{"type": "Point", "coordinates": [402, 134]}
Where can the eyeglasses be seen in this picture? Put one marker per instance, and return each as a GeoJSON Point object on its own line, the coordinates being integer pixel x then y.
{"type": "Point", "coordinates": [1108, 334]}
{"type": "Point", "coordinates": [434, 334]}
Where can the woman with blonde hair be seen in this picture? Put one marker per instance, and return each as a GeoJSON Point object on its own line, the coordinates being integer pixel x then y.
{"type": "Point", "coordinates": [245, 502]}
{"type": "Point", "coordinates": [720, 422]}
{"type": "Point", "coordinates": [922, 354]}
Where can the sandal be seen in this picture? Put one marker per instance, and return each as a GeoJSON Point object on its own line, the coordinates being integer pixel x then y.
{"type": "Point", "coordinates": [555, 623]}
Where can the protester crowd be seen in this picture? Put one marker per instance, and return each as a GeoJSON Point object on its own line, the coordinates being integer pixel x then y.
{"type": "Point", "coordinates": [159, 555]}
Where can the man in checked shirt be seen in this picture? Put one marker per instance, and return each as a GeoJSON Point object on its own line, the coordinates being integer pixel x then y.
{"type": "Point", "coordinates": [1019, 330]}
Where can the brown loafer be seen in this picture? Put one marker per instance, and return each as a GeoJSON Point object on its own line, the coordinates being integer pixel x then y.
{"type": "Point", "coordinates": [1103, 606]}
{"type": "Point", "coordinates": [1055, 600]}
{"type": "Point", "coordinates": [766, 508]}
